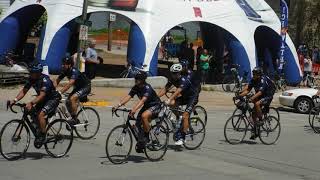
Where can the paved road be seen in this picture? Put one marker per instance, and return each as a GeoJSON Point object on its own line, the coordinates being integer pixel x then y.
{"type": "Point", "coordinates": [295, 156]}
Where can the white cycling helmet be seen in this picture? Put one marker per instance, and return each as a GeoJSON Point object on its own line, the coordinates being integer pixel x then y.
{"type": "Point", "coordinates": [176, 68]}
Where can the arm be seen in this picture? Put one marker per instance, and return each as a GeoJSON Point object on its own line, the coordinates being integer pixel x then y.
{"type": "Point", "coordinates": [123, 101]}
{"type": "Point", "coordinates": [39, 98]}
{"type": "Point", "coordinates": [68, 86]}
{"type": "Point", "coordinates": [20, 95]}
{"type": "Point", "coordinates": [175, 94]}
{"type": "Point", "coordinates": [245, 91]}
{"type": "Point", "coordinates": [56, 82]}
{"type": "Point", "coordinates": [138, 105]}
{"type": "Point", "coordinates": [162, 92]}
{"type": "Point", "coordinates": [257, 95]}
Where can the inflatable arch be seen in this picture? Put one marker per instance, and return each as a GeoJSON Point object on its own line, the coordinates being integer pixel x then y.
{"type": "Point", "coordinates": [242, 20]}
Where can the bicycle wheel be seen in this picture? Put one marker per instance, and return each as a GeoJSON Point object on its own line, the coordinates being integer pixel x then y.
{"type": "Point", "coordinates": [58, 140]}
{"type": "Point", "coordinates": [200, 112]}
{"type": "Point", "coordinates": [235, 129]}
{"type": "Point", "coordinates": [312, 114]}
{"type": "Point", "coordinates": [57, 115]}
{"type": "Point", "coordinates": [228, 84]}
{"type": "Point", "coordinates": [124, 74]}
{"type": "Point", "coordinates": [274, 112]}
{"type": "Point", "coordinates": [158, 145]}
{"type": "Point", "coordinates": [196, 134]}
{"type": "Point", "coordinates": [15, 140]}
{"type": "Point", "coordinates": [316, 122]}
{"type": "Point", "coordinates": [117, 140]}
{"type": "Point", "coordinates": [269, 132]}
{"type": "Point", "coordinates": [89, 123]}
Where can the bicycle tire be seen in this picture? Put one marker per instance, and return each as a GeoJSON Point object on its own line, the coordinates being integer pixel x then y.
{"type": "Point", "coordinates": [266, 129]}
{"type": "Point", "coordinates": [312, 114]}
{"type": "Point", "coordinates": [125, 130]}
{"type": "Point", "coordinates": [155, 145]}
{"type": "Point", "coordinates": [195, 113]}
{"type": "Point", "coordinates": [58, 137]}
{"type": "Point", "coordinates": [194, 122]}
{"type": "Point", "coordinates": [124, 74]}
{"type": "Point", "coordinates": [316, 122]}
{"type": "Point", "coordinates": [2, 146]}
{"type": "Point", "coordinates": [235, 126]}
{"type": "Point", "coordinates": [82, 129]}
{"type": "Point", "coordinates": [227, 84]}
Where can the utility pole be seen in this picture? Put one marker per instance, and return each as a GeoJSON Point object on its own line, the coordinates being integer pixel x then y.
{"type": "Point", "coordinates": [83, 20]}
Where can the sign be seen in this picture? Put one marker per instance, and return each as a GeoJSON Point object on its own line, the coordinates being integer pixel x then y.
{"type": "Point", "coordinates": [113, 17]}
{"type": "Point", "coordinates": [284, 29]}
{"type": "Point", "coordinates": [197, 12]}
{"type": "Point", "coordinates": [83, 35]}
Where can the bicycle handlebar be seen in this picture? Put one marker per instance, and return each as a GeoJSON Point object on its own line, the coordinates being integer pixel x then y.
{"type": "Point", "coordinates": [21, 105]}
{"type": "Point", "coordinates": [120, 109]}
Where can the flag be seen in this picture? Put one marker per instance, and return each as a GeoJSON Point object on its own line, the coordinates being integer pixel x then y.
{"type": "Point", "coordinates": [284, 18]}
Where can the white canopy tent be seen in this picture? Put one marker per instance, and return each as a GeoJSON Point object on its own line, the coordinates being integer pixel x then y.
{"type": "Point", "coordinates": [153, 18]}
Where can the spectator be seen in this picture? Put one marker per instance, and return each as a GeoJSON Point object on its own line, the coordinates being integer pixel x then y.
{"type": "Point", "coordinates": [204, 65]}
{"type": "Point", "coordinates": [82, 66]}
{"type": "Point", "coordinates": [199, 52]}
{"type": "Point", "coordinates": [307, 69]}
{"type": "Point", "coordinates": [91, 60]}
{"type": "Point", "coordinates": [315, 55]}
{"type": "Point", "coordinates": [190, 56]}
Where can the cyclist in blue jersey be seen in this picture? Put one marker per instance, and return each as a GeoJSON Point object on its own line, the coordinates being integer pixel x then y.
{"type": "Point", "coordinates": [149, 103]}
{"type": "Point", "coordinates": [81, 84]}
{"type": "Point", "coordinates": [264, 91]}
{"type": "Point", "coordinates": [187, 93]}
{"type": "Point", "coordinates": [46, 101]}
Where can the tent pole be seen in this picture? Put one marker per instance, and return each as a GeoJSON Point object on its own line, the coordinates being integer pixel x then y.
{"type": "Point", "coordinates": [81, 43]}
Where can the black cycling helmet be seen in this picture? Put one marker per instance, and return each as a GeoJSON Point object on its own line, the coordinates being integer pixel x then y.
{"type": "Point", "coordinates": [67, 60]}
{"type": "Point", "coordinates": [36, 68]}
{"type": "Point", "coordinates": [257, 71]}
{"type": "Point", "coordinates": [141, 75]}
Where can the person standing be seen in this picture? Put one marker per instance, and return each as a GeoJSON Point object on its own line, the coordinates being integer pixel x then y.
{"type": "Point", "coordinates": [307, 69]}
{"type": "Point", "coordinates": [190, 56]}
{"type": "Point", "coordinates": [91, 60]}
{"type": "Point", "coordinates": [204, 65]}
{"type": "Point", "coordinates": [199, 52]}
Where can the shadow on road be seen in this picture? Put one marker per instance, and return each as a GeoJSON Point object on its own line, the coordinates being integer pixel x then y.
{"type": "Point", "coordinates": [131, 158]}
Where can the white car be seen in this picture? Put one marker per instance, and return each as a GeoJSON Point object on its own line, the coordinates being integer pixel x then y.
{"type": "Point", "coordinates": [299, 99]}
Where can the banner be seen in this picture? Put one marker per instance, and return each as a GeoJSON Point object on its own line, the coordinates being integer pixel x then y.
{"type": "Point", "coordinates": [126, 5]}
{"type": "Point", "coordinates": [284, 29]}
{"type": "Point", "coordinates": [250, 12]}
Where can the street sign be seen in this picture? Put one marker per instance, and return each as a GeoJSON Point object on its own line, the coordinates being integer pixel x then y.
{"type": "Point", "coordinates": [113, 17]}
{"type": "Point", "coordinates": [83, 35]}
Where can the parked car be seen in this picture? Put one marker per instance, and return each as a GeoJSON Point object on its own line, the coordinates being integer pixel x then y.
{"type": "Point", "coordinates": [299, 99]}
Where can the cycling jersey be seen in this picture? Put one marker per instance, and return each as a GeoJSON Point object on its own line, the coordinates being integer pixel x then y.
{"type": "Point", "coordinates": [146, 91]}
{"type": "Point", "coordinates": [265, 85]}
{"type": "Point", "coordinates": [44, 84]}
{"type": "Point", "coordinates": [184, 82]}
{"type": "Point", "coordinates": [81, 80]}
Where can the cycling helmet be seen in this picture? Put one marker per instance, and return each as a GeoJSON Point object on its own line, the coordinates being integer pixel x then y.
{"type": "Point", "coordinates": [257, 71]}
{"type": "Point", "coordinates": [141, 75]}
{"type": "Point", "coordinates": [36, 68]}
{"type": "Point", "coordinates": [176, 68]}
{"type": "Point", "coordinates": [67, 60]}
{"type": "Point", "coordinates": [184, 63]}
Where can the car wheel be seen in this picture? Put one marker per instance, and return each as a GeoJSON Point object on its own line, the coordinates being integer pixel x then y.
{"type": "Point", "coordinates": [303, 105]}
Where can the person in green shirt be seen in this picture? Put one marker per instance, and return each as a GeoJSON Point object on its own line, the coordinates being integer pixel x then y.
{"type": "Point", "coordinates": [204, 65]}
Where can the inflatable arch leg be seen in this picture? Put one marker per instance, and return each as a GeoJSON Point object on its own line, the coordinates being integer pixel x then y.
{"type": "Point", "coordinates": [58, 48]}
{"type": "Point", "coordinates": [153, 69]}
{"type": "Point", "coordinates": [136, 46]}
{"type": "Point", "coordinates": [239, 56]}
{"type": "Point", "coordinates": [9, 35]}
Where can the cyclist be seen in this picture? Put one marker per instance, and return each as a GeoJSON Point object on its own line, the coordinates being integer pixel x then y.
{"type": "Point", "coordinates": [46, 101]}
{"type": "Point", "coordinates": [82, 87]}
{"type": "Point", "coordinates": [187, 93]}
{"type": "Point", "coordinates": [150, 107]}
{"type": "Point", "coordinates": [264, 91]}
